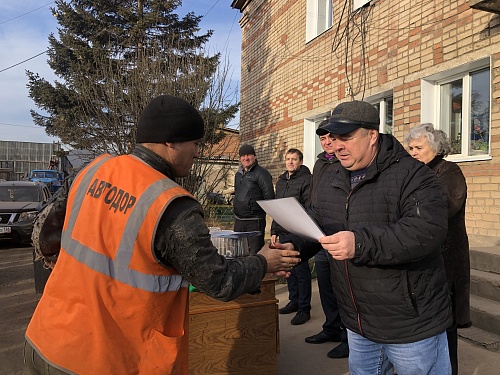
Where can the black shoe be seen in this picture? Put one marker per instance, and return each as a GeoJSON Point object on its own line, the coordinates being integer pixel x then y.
{"type": "Point", "coordinates": [322, 337]}
{"type": "Point", "coordinates": [340, 351]}
{"type": "Point", "coordinates": [300, 318]}
{"type": "Point", "coordinates": [289, 308]}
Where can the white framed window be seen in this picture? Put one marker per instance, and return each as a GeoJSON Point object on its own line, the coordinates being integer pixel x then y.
{"type": "Point", "coordinates": [318, 17]}
{"type": "Point", "coordinates": [356, 4]}
{"type": "Point", "coordinates": [459, 103]}
{"type": "Point", "coordinates": [384, 103]}
{"type": "Point", "coordinates": [312, 146]}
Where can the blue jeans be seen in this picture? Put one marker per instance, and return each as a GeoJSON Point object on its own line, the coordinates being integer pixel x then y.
{"type": "Point", "coordinates": [425, 357]}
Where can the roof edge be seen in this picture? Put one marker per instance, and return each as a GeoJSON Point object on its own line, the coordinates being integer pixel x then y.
{"type": "Point", "coordinates": [240, 4]}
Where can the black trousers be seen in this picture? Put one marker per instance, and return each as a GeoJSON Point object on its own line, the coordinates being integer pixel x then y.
{"type": "Point", "coordinates": [333, 323]}
{"type": "Point", "coordinates": [299, 286]}
{"type": "Point", "coordinates": [452, 335]}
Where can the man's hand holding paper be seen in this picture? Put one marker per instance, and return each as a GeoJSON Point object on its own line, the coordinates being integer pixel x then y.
{"type": "Point", "coordinates": [340, 245]}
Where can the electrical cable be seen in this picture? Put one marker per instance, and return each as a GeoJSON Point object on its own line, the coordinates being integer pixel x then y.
{"type": "Point", "coordinates": [20, 126]}
{"type": "Point", "coordinates": [41, 53]}
{"type": "Point", "coordinates": [24, 14]}
{"type": "Point", "coordinates": [19, 63]}
{"type": "Point", "coordinates": [210, 9]}
{"type": "Point", "coordinates": [230, 31]}
{"type": "Point", "coordinates": [21, 15]}
{"type": "Point", "coordinates": [346, 54]}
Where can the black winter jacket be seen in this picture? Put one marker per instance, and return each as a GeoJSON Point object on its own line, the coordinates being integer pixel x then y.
{"type": "Point", "coordinates": [296, 186]}
{"type": "Point", "coordinates": [249, 187]}
{"type": "Point", "coordinates": [394, 289]}
{"type": "Point", "coordinates": [324, 168]}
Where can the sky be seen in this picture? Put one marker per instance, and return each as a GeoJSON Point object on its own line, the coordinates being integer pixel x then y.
{"type": "Point", "coordinates": [24, 29]}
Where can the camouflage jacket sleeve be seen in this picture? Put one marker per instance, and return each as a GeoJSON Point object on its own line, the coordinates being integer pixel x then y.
{"type": "Point", "coordinates": [183, 241]}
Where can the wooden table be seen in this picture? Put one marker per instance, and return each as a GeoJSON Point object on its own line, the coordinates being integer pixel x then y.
{"type": "Point", "coordinates": [237, 337]}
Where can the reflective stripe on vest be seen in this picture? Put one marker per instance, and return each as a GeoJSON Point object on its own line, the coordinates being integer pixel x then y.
{"type": "Point", "coordinates": [119, 268]}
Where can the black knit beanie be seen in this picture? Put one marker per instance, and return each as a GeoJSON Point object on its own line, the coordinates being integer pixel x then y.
{"type": "Point", "coordinates": [247, 150]}
{"type": "Point", "coordinates": [169, 119]}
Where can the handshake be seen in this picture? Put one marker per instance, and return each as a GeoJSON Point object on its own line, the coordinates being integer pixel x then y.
{"type": "Point", "coordinates": [280, 262]}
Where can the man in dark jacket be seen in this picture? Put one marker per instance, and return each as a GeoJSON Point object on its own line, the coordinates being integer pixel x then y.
{"type": "Point", "coordinates": [295, 182]}
{"type": "Point", "coordinates": [332, 329]}
{"type": "Point", "coordinates": [385, 218]}
{"type": "Point", "coordinates": [251, 184]}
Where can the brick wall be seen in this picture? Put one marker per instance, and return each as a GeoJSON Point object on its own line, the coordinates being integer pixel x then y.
{"type": "Point", "coordinates": [285, 80]}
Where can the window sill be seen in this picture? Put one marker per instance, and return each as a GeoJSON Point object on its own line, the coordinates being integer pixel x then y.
{"type": "Point", "coordinates": [461, 158]}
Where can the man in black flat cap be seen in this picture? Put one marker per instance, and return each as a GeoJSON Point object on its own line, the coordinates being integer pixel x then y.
{"type": "Point", "coordinates": [251, 184]}
{"type": "Point", "coordinates": [117, 299]}
{"type": "Point", "coordinates": [385, 217]}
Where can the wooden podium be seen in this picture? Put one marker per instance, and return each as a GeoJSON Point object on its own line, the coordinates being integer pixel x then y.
{"type": "Point", "coordinates": [237, 337]}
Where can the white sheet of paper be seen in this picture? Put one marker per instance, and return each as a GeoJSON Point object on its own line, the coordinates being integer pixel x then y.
{"type": "Point", "coordinates": [290, 214]}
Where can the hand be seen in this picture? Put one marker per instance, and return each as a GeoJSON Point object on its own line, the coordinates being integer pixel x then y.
{"type": "Point", "coordinates": [282, 260]}
{"type": "Point", "coordinates": [340, 245]}
{"type": "Point", "coordinates": [284, 274]}
{"type": "Point", "coordinates": [273, 239]}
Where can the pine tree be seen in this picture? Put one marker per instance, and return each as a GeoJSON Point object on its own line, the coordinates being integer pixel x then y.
{"type": "Point", "coordinates": [113, 57]}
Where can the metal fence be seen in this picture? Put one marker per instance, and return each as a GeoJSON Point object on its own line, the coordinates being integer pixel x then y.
{"type": "Point", "coordinates": [21, 157]}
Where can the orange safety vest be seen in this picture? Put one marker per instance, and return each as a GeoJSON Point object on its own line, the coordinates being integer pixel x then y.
{"type": "Point", "coordinates": [109, 307]}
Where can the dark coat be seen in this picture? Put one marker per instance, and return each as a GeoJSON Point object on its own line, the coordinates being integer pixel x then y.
{"type": "Point", "coordinates": [456, 247]}
{"type": "Point", "coordinates": [249, 187]}
{"type": "Point", "coordinates": [394, 289]}
{"type": "Point", "coordinates": [297, 185]}
{"type": "Point", "coordinates": [324, 169]}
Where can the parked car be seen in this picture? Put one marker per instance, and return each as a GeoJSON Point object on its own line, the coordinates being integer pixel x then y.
{"type": "Point", "coordinates": [20, 202]}
{"type": "Point", "coordinates": [52, 178]}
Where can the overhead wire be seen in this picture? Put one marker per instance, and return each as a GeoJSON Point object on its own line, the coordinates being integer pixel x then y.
{"type": "Point", "coordinates": [212, 7]}
{"type": "Point", "coordinates": [41, 53]}
{"type": "Point", "coordinates": [20, 126]}
{"type": "Point", "coordinates": [14, 18]}
{"type": "Point", "coordinates": [43, 6]}
{"type": "Point", "coordinates": [22, 62]}
{"type": "Point", "coordinates": [346, 53]}
{"type": "Point", "coordinates": [24, 14]}
{"type": "Point", "coordinates": [230, 31]}
{"type": "Point", "coordinates": [362, 30]}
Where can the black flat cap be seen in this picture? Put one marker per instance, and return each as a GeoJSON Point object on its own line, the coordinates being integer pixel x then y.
{"type": "Point", "coordinates": [349, 116]}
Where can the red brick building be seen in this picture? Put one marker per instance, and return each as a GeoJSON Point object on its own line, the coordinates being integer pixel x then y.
{"type": "Point", "coordinates": [426, 61]}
